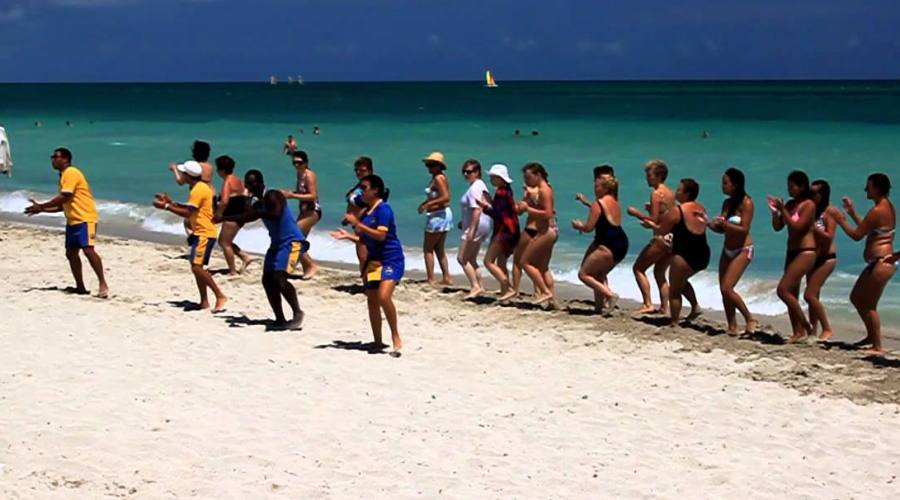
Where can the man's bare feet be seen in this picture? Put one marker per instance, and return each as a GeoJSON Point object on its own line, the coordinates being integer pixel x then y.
{"type": "Point", "coordinates": [203, 305]}
{"type": "Point", "coordinates": [309, 273]}
{"type": "Point", "coordinates": [103, 292]}
{"type": "Point", "coordinates": [732, 331]}
{"type": "Point", "coordinates": [245, 261]}
{"type": "Point", "coordinates": [447, 282]}
{"type": "Point", "coordinates": [220, 304]}
{"type": "Point", "coordinates": [874, 352]}
{"type": "Point", "coordinates": [295, 323]}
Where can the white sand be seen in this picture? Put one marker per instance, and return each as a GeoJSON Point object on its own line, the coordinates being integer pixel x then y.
{"type": "Point", "coordinates": [134, 397]}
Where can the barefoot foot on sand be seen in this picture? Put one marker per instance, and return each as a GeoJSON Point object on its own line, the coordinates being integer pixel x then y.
{"type": "Point", "coordinates": [244, 263]}
{"type": "Point", "coordinates": [874, 352]}
{"type": "Point", "coordinates": [797, 339]}
{"type": "Point", "coordinates": [512, 294]}
{"type": "Point", "coordinates": [540, 299]}
{"type": "Point", "coordinates": [103, 292]}
{"type": "Point", "coordinates": [752, 326]}
{"type": "Point", "coordinates": [696, 312]}
{"type": "Point", "coordinates": [220, 304]}
{"type": "Point", "coordinates": [447, 282]}
{"type": "Point", "coordinates": [644, 310]}
{"type": "Point", "coordinates": [308, 274]}
{"type": "Point", "coordinates": [475, 292]}
{"type": "Point", "coordinates": [825, 336]}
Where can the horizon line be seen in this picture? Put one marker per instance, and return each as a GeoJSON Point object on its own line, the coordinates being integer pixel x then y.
{"type": "Point", "coordinates": [308, 82]}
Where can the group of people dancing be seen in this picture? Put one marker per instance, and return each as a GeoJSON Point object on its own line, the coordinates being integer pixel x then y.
{"type": "Point", "coordinates": [677, 248]}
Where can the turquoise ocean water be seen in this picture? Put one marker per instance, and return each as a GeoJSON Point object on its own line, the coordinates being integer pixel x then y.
{"type": "Point", "coordinates": [124, 135]}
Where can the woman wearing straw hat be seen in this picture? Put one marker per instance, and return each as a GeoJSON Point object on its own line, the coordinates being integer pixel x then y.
{"type": "Point", "coordinates": [438, 218]}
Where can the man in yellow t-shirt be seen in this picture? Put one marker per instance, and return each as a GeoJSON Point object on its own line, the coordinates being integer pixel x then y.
{"type": "Point", "coordinates": [198, 211]}
{"type": "Point", "coordinates": [77, 202]}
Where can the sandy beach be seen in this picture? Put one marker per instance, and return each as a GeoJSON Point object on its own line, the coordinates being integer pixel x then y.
{"type": "Point", "coordinates": [136, 397]}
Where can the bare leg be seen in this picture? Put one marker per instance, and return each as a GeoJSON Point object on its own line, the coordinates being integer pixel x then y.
{"type": "Point", "coordinates": [651, 253]}
{"type": "Point", "coordinates": [788, 292]}
{"type": "Point", "coordinates": [495, 262]}
{"type": "Point", "coordinates": [204, 280]}
{"type": "Point", "coordinates": [273, 295]}
{"type": "Point", "coordinates": [524, 239]}
{"type": "Point", "coordinates": [814, 282]}
{"type": "Point", "coordinates": [597, 263]}
{"type": "Point", "coordinates": [679, 273]}
{"type": "Point", "coordinates": [306, 224]}
{"type": "Point", "coordinates": [659, 272]}
{"type": "Point", "coordinates": [441, 255]}
{"type": "Point", "coordinates": [533, 264]}
{"type": "Point", "coordinates": [468, 259]}
{"type": "Point", "coordinates": [97, 265]}
{"type": "Point", "coordinates": [865, 296]}
{"type": "Point", "coordinates": [730, 272]}
{"type": "Point", "coordinates": [428, 248]}
{"type": "Point", "coordinates": [374, 314]}
{"type": "Point", "coordinates": [226, 237]}
{"type": "Point", "coordinates": [75, 266]}
{"type": "Point", "coordinates": [385, 297]}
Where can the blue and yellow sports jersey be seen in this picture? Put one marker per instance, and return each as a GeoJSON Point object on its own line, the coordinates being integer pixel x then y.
{"type": "Point", "coordinates": [381, 217]}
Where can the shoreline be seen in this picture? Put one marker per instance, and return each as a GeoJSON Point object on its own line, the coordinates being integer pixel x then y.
{"type": "Point", "coordinates": [845, 329]}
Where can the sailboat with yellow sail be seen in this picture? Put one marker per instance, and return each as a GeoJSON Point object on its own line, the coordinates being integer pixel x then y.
{"type": "Point", "coordinates": [489, 80]}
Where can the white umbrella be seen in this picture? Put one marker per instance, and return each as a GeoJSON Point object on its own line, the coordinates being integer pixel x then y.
{"type": "Point", "coordinates": [6, 162]}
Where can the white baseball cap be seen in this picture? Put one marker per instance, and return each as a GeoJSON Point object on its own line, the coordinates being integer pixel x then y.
{"type": "Point", "coordinates": [501, 171]}
{"type": "Point", "coordinates": [191, 168]}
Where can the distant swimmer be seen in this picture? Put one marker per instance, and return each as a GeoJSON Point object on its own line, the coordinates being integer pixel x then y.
{"type": "Point", "coordinates": [68, 123]}
{"type": "Point", "coordinates": [38, 124]}
{"type": "Point", "coordinates": [290, 145]}
{"type": "Point", "coordinates": [287, 244]}
{"type": "Point", "coordinates": [76, 201]}
{"type": "Point", "coordinates": [517, 133]}
{"type": "Point", "coordinates": [535, 133]}
{"type": "Point", "coordinates": [199, 212]}
{"type": "Point", "coordinates": [705, 134]}
{"type": "Point", "coordinates": [317, 131]}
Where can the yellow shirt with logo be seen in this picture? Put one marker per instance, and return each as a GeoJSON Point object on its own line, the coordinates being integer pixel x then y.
{"type": "Point", "coordinates": [201, 199]}
{"type": "Point", "coordinates": [80, 207]}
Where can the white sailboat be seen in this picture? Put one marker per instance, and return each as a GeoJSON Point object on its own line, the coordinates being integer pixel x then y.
{"type": "Point", "coordinates": [290, 80]}
{"type": "Point", "coordinates": [299, 79]}
{"type": "Point", "coordinates": [489, 80]}
{"type": "Point", "coordinates": [273, 80]}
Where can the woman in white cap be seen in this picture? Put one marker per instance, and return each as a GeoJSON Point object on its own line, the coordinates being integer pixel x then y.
{"type": "Point", "coordinates": [438, 218]}
{"type": "Point", "coordinates": [475, 226]}
{"type": "Point", "coordinates": [502, 209]}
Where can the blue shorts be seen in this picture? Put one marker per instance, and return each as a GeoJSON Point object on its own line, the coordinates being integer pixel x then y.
{"type": "Point", "coordinates": [439, 221]}
{"type": "Point", "coordinates": [377, 271]}
{"type": "Point", "coordinates": [284, 257]}
{"type": "Point", "coordinates": [81, 235]}
{"type": "Point", "coordinates": [201, 249]}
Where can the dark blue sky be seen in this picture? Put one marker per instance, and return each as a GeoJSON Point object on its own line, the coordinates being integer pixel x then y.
{"type": "Point", "coordinates": [199, 40]}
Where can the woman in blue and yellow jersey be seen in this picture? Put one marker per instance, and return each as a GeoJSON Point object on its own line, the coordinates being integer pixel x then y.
{"type": "Point", "coordinates": [77, 202]}
{"type": "Point", "coordinates": [199, 212]}
{"type": "Point", "coordinates": [287, 245]}
{"type": "Point", "coordinates": [384, 257]}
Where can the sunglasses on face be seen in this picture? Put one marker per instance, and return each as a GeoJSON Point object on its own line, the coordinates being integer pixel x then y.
{"type": "Point", "coordinates": [467, 172]}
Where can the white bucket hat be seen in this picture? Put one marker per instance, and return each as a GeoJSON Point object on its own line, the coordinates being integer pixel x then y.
{"type": "Point", "coordinates": [501, 171]}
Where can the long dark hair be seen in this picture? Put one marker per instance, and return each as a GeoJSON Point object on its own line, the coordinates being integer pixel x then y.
{"type": "Point", "coordinates": [800, 179]}
{"type": "Point", "coordinates": [734, 202]}
{"type": "Point", "coordinates": [824, 190]}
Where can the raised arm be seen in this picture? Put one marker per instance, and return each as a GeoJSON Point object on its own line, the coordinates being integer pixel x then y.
{"type": "Point", "coordinates": [54, 204]}
{"type": "Point", "coordinates": [863, 227]}
{"type": "Point", "coordinates": [593, 217]}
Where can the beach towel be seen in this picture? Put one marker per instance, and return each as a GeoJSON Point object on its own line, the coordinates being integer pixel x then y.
{"type": "Point", "coordinates": [5, 154]}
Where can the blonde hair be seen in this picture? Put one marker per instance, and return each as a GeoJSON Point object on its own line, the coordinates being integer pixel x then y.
{"type": "Point", "coordinates": [658, 167]}
{"type": "Point", "coordinates": [610, 184]}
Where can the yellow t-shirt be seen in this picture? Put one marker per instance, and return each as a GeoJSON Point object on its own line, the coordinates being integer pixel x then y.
{"type": "Point", "coordinates": [80, 207]}
{"type": "Point", "coordinates": [201, 199]}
